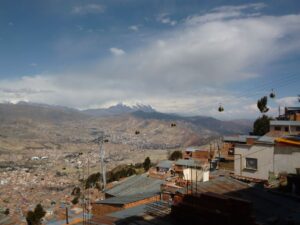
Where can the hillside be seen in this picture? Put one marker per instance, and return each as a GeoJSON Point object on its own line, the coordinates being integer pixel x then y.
{"type": "Point", "coordinates": [65, 125]}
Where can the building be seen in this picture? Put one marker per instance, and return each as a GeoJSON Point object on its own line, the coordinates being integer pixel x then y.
{"type": "Point", "coordinates": [285, 127]}
{"type": "Point", "coordinates": [229, 142]}
{"type": "Point", "coordinates": [162, 170]}
{"type": "Point", "coordinates": [119, 203]}
{"type": "Point", "coordinates": [196, 153]}
{"type": "Point", "coordinates": [267, 156]}
{"type": "Point", "coordinates": [225, 200]}
{"type": "Point", "coordinates": [292, 113]}
{"type": "Point", "coordinates": [192, 170]}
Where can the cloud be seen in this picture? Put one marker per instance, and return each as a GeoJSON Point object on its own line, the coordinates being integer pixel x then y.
{"type": "Point", "coordinates": [134, 28]}
{"type": "Point", "coordinates": [33, 64]}
{"type": "Point", "coordinates": [117, 51]}
{"type": "Point", "coordinates": [287, 101]}
{"type": "Point", "coordinates": [163, 18]}
{"type": "Point", "coordinates": [87, 9]}
{"type": "Point", "coordinates": [183, 70]}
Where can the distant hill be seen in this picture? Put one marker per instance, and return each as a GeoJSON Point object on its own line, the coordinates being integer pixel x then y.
{"type": "Point", "coordinates": [38, 112]}
{"type": "Point", "coordinates": [61, 125]}
{"type": "Point", "coordinates": [199, 123]}
{"type": "Point", "coordinates": [118, 109]}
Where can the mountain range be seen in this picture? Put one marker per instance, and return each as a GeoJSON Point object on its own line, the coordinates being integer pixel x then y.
{"type": "Point", "coordinates": [58, 114]}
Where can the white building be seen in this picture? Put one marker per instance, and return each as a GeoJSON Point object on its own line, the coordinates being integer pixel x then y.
{"type": "Point", "coordinates": [192, 170]}
{"type": "Point", "coordinates": [266, 156]}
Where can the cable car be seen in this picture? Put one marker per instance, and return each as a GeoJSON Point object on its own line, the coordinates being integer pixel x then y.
{"type": "Point", "coordinates": [137, 132]}
{"type": "Point", "coordinates": [272, 94]}
{"type": "Point", "coordinates": [220, 109]}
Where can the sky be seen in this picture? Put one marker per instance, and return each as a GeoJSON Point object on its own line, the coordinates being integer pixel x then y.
{"type": "Point", "coordinates": [179, 56]}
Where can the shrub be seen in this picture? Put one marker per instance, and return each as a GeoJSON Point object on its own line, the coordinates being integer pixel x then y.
{"type": "Point", "coordinates": [175, 155]}
{"type": "Point", "coordinates": [35, 217]}
{"type": "Point", "coordinates": [147, 164]}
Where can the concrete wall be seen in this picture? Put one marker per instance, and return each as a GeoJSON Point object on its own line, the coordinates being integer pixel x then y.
{"type": "Point", "coordinates": [286, 159]}
{"type": "Point", "coordinates": [264, 156]}
{"type": "Point", "coordinates": [195, 174]}
{"type": "Point", "coordinates": [292, 129]}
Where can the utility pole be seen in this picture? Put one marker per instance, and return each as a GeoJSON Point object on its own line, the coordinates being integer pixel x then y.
{"type": "Point", "coordinates": [67, 215]}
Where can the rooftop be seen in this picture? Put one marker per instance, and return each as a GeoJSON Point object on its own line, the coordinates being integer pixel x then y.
{"type": "Point", "coordinates": [121, 200]}
{"type": "Point", "coordinates": [136, 184]}
{"type": "Point", "coordinates": [266, 140]}
{"type": "Point", "coordinates": [284, 123]}
{"type": "Point", "coordinates": [165, 164]}
{"type": "Point", "coordinates": [194, 149]}
{"type": "Point", "coordinates": [266, 204]}
{"type": "Point", "coordinates": [239, 138]}
{"type": "Point", "coordinates": [189, 163]}
{"type": "Point", "coordinates": [292, 108]}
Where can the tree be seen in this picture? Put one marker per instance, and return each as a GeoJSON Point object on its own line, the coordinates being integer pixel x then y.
{"type": "Point", "coordinates": [75, 200]}
{"type": "Point", "coordinates": [176, 155]}
{"type": "Point", "coordinates": [262, 104]}
{"type": "Point", "coordinates": [35, 217]}
{"type": "Point", "coordinates": [147, 164]}
{"type": "Point", "coordinates": [261, 125]}
{"type": "Point", "coordinates": [6, 212]}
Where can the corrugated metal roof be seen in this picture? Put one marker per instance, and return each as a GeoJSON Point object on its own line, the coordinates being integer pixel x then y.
{"type": "Point", "coordinates": [134, 211]}
{"type": "Point", "coordinates": [220, 185]}
{"type": "Point", "coordinates": [284, 123]}
{"type": "Point", "coordinates": [165, 164]}
{"type": "Point", "coordinates": [192, 149]}
{"type": "Point", "coordinates": [265, 204]}
{"type": "Point", "coordinates": [266, 139]}
{"type": "Point", "coordinates": [189, 163]}
{"type": "Point", "coordinates": [292, 108]}
{"type": "Point", "coordinates": [239, 138]}
{"type": "Point", "coordinates": [136, 184]}
{"type": "Point", "coordinates": [121, 200]}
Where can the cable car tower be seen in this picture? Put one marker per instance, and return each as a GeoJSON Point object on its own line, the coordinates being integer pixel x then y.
{"type": "Point", "coordinates": [100, 141]}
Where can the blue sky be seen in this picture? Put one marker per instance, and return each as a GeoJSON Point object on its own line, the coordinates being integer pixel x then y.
{"type": "Point", "coordinates": [178, 56]}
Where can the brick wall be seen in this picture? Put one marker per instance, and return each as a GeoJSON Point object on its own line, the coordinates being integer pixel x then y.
{"type": "Point", "coordinates": [103, 209]}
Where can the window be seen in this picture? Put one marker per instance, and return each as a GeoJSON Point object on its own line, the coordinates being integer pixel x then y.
{"type": "Point", "coordinates": [297, 128]}
{"type": "Point", "coordinates": [286, 129]}
{"type": "Point", "coordinates": [277, 128]}
{"type": "Point", "coordinates": [251, 163]}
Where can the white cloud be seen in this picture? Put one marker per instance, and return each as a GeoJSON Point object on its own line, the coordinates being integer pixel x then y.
{"type": "Point", "coordinates": [117, 51]}
{"type": "Point", "coordinates": [33, 64]}
{"type": "Point", "coordinates": [134, 28]}
{"type": "Point", "coordinates": [165, 19]}
{"type": "Point", "coordinates": [174, 71]}
{"type": "Point", "coordinates": [287, 101]}
{"type": "Point", "coordinates": [87, 9]}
